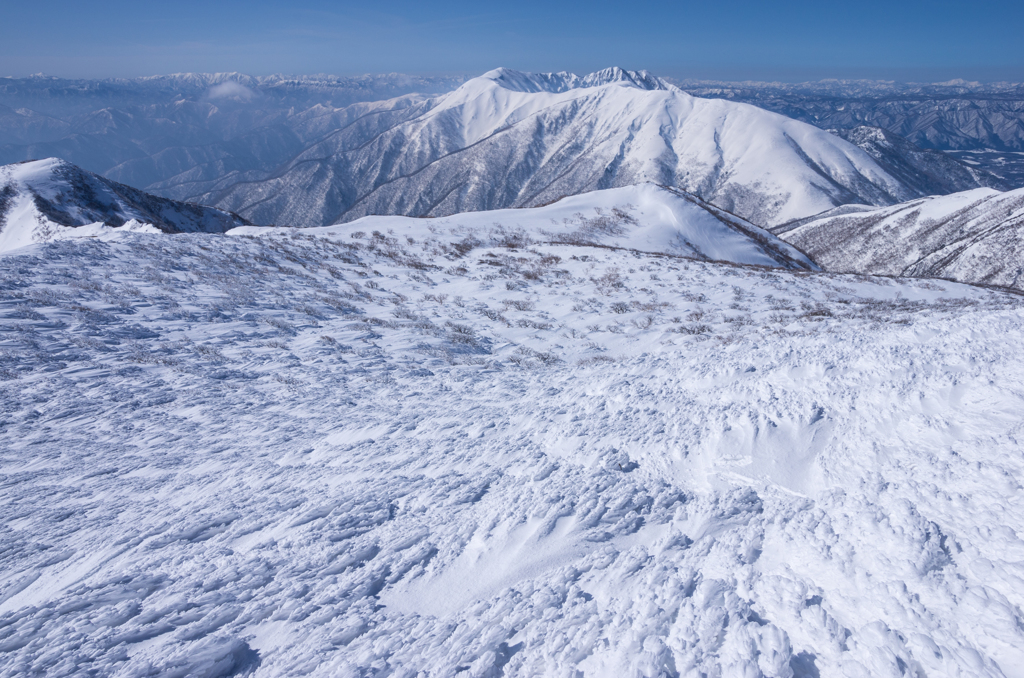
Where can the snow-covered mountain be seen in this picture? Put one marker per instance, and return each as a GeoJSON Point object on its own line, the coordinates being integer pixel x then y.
{"type": "Point", "coordinates": [43, 200]}
{"type": "Point", "coordinates": [512, 139]}
{"type": "Point", "coordinates": [235, 138]}
{"type": "Point", "coordinates": [955, 115]}
{"type": "Point", "coordinates": [446, 447]}
{"type": "Point", "coordinates": [926, 171]}
{"type": "Point", "coordinates": [975, 236]}
{"type": "Point", "coordinates": [980, 124]}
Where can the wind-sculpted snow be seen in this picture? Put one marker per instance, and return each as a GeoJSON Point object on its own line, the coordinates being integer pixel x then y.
{"type": "Point", "coordinates": [975, 237]}
{"type": "Point", "coordinates": [326, 452]}
{"type": "Point", "coordinates": [50, 199]}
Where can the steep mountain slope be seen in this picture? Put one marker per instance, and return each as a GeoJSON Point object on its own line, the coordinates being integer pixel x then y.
{"type": "Point", "coordinates": [194, 172]}
{"type": "Point", "coordinates": [48, 199]}
{"type": "Point", "coordinates": [927, 171]}
{"type": "Point", "coordinates": [980, 124]}
{"type": "Point", "coordinates": [303, 453]}
{"type": "Point", "coordinates": [975, 236]}
{"type": "Point", "coordinates": [511, 139]}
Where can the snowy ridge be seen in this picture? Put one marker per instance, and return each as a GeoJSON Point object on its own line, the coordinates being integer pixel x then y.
{"type": "Point", "coordinates": [975, 236]}
{"type": "Point", "coordinates": [518, 81]}
{"type": "Point", "coordinates": [647, 218]}
{"type": "Point", "coordinates": [51, 199]}
{"type": "Point", "coordinates": [326, 452]}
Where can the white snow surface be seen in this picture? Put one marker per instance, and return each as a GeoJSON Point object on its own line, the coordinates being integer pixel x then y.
{"type": "Point", "coordinates": [28, 227]}
{"type": "Point", "coordinates": [337, 453]}
{"type": "Point", "coordinates": [649, 218]}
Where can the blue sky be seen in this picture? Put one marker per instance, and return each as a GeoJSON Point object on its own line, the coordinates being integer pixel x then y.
{"type": "Point", "coordinates": [727, 39]}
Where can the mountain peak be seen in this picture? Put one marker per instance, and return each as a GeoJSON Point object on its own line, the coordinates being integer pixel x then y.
{"type": "Point", "coordinates": [521, 81]}
{"type": "Point", "coordinates": [52, 199]}
{"type": "Point", "coordinates": [638, 79]}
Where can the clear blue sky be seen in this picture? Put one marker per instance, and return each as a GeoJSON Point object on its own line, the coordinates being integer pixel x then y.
{"type": "Point", "coordinates": [728, 39]}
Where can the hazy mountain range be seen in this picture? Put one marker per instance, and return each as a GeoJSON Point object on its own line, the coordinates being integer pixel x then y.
{"type": "Point", "coordinates": [955, 115]}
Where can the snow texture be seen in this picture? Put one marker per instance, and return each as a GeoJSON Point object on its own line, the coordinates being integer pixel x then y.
{"type": "Point", "coordinates": [376, 449]}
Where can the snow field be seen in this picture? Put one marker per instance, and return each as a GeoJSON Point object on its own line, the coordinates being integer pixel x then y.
{"type": "Point", "coordinates": [292, 453]}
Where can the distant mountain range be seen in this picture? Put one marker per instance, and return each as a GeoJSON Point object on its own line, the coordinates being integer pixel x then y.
{"type": "Point", "coordinates": [955, 115]}
{"type": "Point", "coordinates": [393, 143]}
{"type": "Point", "coordinates": [148, 130]}
{"type": "Point", "coordinates": [926, 171]}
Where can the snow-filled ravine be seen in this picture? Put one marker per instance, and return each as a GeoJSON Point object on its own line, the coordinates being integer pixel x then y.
{"type": "Point", "coordinates": [341, 453]}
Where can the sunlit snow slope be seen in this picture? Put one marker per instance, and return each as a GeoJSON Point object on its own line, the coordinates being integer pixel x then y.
{"type": "Point", "coordinates": [975, 236]}
{"type": "Point", "coordinates": [649, 218]}
{"type": "Point", "coordinates": [512, 139]}
{"type": "Point", "coordinates": [478, 449]}
{"type": "Point", "coordinates": [50, 199]}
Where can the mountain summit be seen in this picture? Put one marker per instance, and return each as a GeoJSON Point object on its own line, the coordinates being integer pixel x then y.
{"type": "Point", "coordinates": [513, 139]}
{"type": "Point", "coordinates": [519, 81]}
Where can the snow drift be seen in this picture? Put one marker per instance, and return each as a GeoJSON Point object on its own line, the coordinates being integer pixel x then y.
{"type": "Point", "coordinates": [337, 452]}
